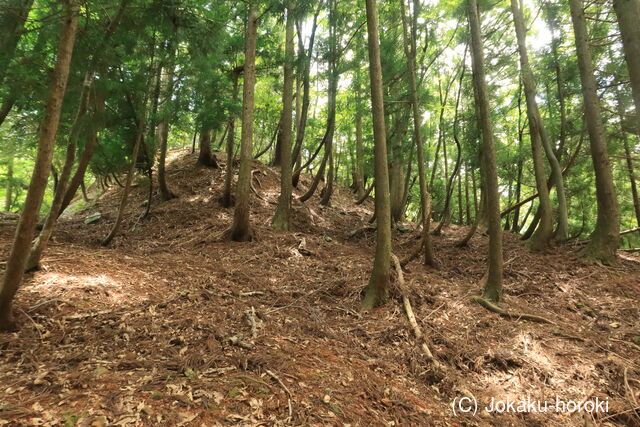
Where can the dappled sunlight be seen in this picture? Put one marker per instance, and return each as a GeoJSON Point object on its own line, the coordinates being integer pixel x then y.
{"type": "Point", "coordinates": [69, 286]}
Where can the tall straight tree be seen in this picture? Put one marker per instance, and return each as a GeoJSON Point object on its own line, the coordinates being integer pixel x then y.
{"type": "Point", "coordinates": [540, 240]}
{"type": "Point", "coordinates": [281, 217]}
{"type": "Point", "coordinates": [628, 13]}
{"type": "Point", "coordinates": [377, 290]}
{"type": "Point", "coordinates": [163, 126]}
{"type": "Point", "coordinates": [605, 237]}
{"type": "Point", "coordinates": [540, 140]}
{"type": "Point", "coordinates": [493, 284]}
{"type": "Point", "coordinates": [241, 229]}
{"type": "Point", "coordinates": [13, 16]}
{"type": "Point", "coordinates": [48, 128]}
{"type": "Point", "coordinates": [425, 198]}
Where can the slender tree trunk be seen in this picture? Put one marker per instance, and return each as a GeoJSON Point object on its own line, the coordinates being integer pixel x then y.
{"type": "Point", "coordinates": [14, 271]}
{"type": "Point", "coordinates": [227, 200]}
{"type": "Point", "coordinates": [241, 229]}
{"type": "Point", "coordinates": [6, 107]}
{"type": "Point", "coordinates": [8, 189]}
{"type": "Point", "coordinates": [13, 15]}
{"type": "Point", "coordinates": [377, 290]}
{"type": "Point", "coordinates": [85, 158]}
{"type": "Point", "coordinates": [359, 169]}
{"type": "Point", "coordinates": [446, 211]}
{"type": "Point", "coordinates": [493, 284]}
{"type": "Point", "coordinates": [306, 88]}
{"type": "Point", "coordinates": [541, 239]}
{"type": "Point", "coordinates": [466, 195]}
{"type": "Point", "coordinates": [281, 219]}
{"type": "Point", "coordinates": [628, 13]}
{"type": "Point", "coordinates": [50, 223]}
{"type": "Point", "coordinates": [130, 174]}
{"type": "Point", "coordinates": [604, 239]}
{"type": "Point", "coordinates": [163, 125]}
{"type": "Point", "coordinates": [205, 157]}
{"type": "Point", "coordinates": [396, 172]}
{"type": "Point", "coordinates": [632, 178]}
{"type": "Point", "coordinates": [460, 209]}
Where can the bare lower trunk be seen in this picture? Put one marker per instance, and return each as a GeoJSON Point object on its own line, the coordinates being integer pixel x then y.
{"type": "Point", "coordinates": [48, 128]}
{"type": "Point", "coordinates": [604, 239]}
{"type": "Point", "coordinates": [127, 186]}
{"type": "Point", "coordinates": [241, 229]}
{"type": "Point", "coordinates": [493, 284]}
{"type": "Point", "coordinates": [281, 220]}
{"type": "Point", "coordinates": [227, 200]}
{"type": "Point", "coordinates": [425, 197]}
{"type": "Point", "coordinates": [628, 13]}
{"type": "Point", "coordinates": [377, 290]}
{"type": "Point", "coordinates": [8, 189]}
{"type": "Point", "coordinates": [205, 157]}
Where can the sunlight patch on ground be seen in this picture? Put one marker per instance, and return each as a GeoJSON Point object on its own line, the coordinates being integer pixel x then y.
{"type": "Point", "coordinates": [68, 285]}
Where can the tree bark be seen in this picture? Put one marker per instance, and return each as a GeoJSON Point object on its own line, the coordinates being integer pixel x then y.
{"type": "Point", "coordinates": [13, 16]}
{"type": "Point", "coordinates": [628, 13]}
{"type": "Point", "coordinates": [48, 128]}
{"type": "Point", "coordinates": [377, 290]}
{"type": "Point", "coordinates": [604, 239]}
{"type": "Point", "coordinates": [205, 157]}
{"type": "Point", "coordinates": [425, 197]}
{"type": "Point", "coordinates": [541, 239]}
{"type": "Point", "coordinates": [130, 174]}
{"type": "Point", "coordinates": [281, 220]}
{"type": "Point", "coordinates": [493, 284]}
{"type": "Point", "coordinates": [306, 87]}
{"type": "Point", "coordinates": [163, 125]}
{"type": "Point", "coordinates": [227, 200]}
{"type": "Point", "coordinates": [8, 189]}
{"type": "Point", "coordinates": [359, 169]}
{"type": "Point", "coordinates": [241, 228]}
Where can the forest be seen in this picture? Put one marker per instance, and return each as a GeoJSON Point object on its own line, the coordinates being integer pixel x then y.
{"type": "Point", "coordinates": [322, 212]}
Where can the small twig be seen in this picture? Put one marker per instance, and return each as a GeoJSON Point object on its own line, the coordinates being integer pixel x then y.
{"type": "Point", "coordinates": [239, 342]}
{"type": "Point", "coordinates": [251, 293]}
{"type": "Point", "coordinates": [275, 377]}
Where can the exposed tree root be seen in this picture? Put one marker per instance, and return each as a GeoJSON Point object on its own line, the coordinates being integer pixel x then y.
{"type": "Point", "coordinates": [504, 313]}
{"type": "Point", "coordinates": [410, 316]}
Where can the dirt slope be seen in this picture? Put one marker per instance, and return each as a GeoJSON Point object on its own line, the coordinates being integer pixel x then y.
{"type": "Point", "coordinates": [173, 326]}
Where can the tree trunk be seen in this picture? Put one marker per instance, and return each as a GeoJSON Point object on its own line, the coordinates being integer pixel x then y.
{"type": "Point", "coordinates": [241, 229]}
{"type": "Point", "coordinates": [205, 157]}
{"type": "Point", "coordinates": [281, 219]}
{"type": "Point", "coordinates": [13, 16]}
{"type": "Point", "coordinates": [604, 239]}
{"type": "Point", "coordinates": [306, 87]}
{"type": "Point", "coordinates": [130, 174]}
{"type": "Point", "coordinates": [8, 189]}
{"type": "Point", "coordinates": [493, 284]}
{"type": "Point", "coordinates": [396, 168]}
{"type": "Point", "coordinates": [163, 125]}
{"type": "Point", "coordinates": [50, 223]}
{"type": "Point", "coordinates": [359, 169]}
{"type": "Point", "coordinates": [541, 239]}
{"type": "Point", "coordinates": [628, 13]}
{"type": "Point", "coordinates": [85, 158]}
{"type": "Point", "coordinates": [227, 200]}
{"type": "Point", "coordinates": [446, 210]}
{"type": "Point", "coordinates": [377, 290]}
{"type": "Point", "coordinates": [632, 178]}
{"type": "Point", "coordinates": [48, 128]}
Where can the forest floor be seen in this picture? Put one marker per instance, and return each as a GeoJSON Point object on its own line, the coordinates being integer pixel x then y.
{"type": "Point", "coordinates": [171, 325]}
